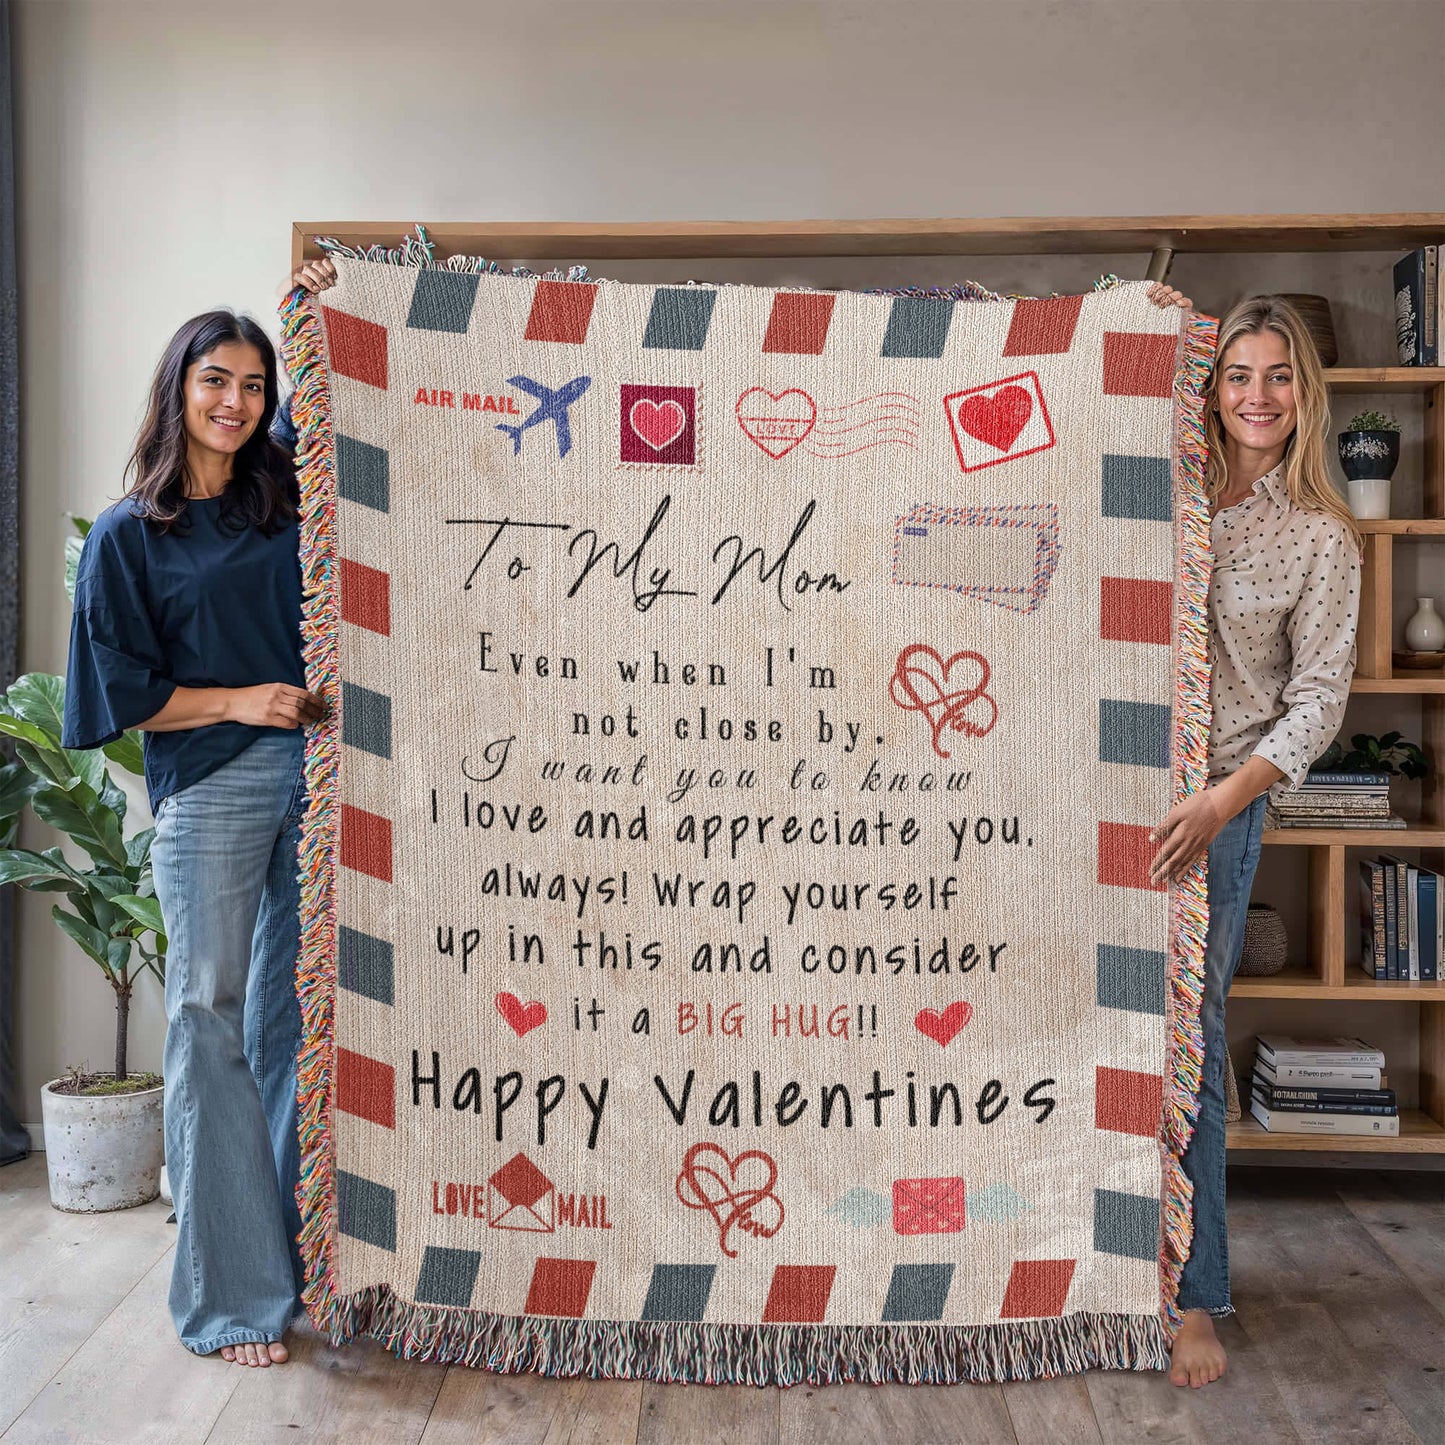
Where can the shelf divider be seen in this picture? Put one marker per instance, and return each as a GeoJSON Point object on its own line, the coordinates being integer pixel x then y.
{"type": "Point", "coordinates": [1327, 912]}
{"type": "Point", "coordinates": [1373, 636]}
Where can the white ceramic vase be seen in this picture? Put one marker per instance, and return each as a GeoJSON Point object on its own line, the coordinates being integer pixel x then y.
{"type": "Point", "coordinates": [1425, 631]}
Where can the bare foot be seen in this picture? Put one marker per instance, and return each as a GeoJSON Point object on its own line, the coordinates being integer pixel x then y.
{"type": "Point", "coordinates": [263, 1356]}
{"type": "Point", "coordinates": [1197, 1357]}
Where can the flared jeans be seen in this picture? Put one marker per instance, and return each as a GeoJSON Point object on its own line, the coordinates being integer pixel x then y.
{"type": "Point", "coordinates": [226, 874]}
{"type": "Point", "coordinates": [1233, 858]}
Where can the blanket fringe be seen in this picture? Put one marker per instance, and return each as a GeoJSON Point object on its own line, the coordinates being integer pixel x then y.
{"type": "Point", "coordinates": [1189, 921]}
{"type": "Point", "coordinates": [303, 349]}
{"type": "Point", "coordinates": [682, 1351]}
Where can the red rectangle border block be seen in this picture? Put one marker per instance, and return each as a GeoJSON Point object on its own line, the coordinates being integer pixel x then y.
{"type": "Point", "coordinates": [798, 325]}
{"type": "Point", "coordinates": [365, 597]}
{"type": "Point", "coordinates": [1132, 609]}
{"type": "Point", "coordinates": [1037, 1289]}
{"type": "Point", "coordinates": [799, 1294]}
{"type": "Point", "coordinates": [1043, 327]}
{"type": "Point", "coordinates": [366, 842]}
{"type": "Point", "coordinates": [366, 1087]}
{"type": "Point", "coordinates": [358, 348]}
{"type": "Point", "coordinates": [560, 1287]}
{"type": "Point", "coordinates": [1126, 1102]}
{"type": "Point", "coordinates": [1124, 856]}
{"type": "Point", "coordinates": [561, 311]}
{"type": "Point", "coordinates": [1139, 363]}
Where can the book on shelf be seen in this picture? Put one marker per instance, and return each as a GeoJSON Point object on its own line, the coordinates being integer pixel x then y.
{"type": "Point", "coordinates": [1412, 921]}
{"type": "Point", "coordinates": [1276, 1121]}
{"type": "Point", "coordinates": [1432, 925]}
{"type": "Point", "coordinates": [1323, 1076]}
{"type": "Point", "coordinates": [1335, 1106]}
{"type": "Point", "coordinates": [1417, 305]}
{"type": "Point", "coordinates": [1287, 1095]}
{"type": "Point", "coordinates": [1402, 933]}
{"type": "Point", "coordinates": [1273, 818]}
{"type": "Point", "coordinates": [1327, 778]}
{"type": "Point", "coordinates": [1372, 917]}
{"type": "Point", "coordinates": [1320, 1051]}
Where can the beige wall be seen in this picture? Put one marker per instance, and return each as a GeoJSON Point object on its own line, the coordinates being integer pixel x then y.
{"type": "Point", "coordinates": [165, 149]}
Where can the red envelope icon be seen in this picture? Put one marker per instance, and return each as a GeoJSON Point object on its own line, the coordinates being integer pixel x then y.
{"type": "Point", "coordinates": [520, 1196]}
{"type": "Point", "coordinates": [928, 1206]}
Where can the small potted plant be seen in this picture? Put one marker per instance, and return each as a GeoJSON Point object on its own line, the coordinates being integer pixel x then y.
{"type": "Point", "coordinates": [1388, 753]}
{"type": "Point", "coordinates": [103, 1131]}
{"type": "Point", "coordinates": [1369, 453]}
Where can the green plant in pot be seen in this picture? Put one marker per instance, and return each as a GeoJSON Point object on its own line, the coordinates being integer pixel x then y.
{"type": "Point", "coordinates": [1388, 753]}
{"type": "Point", "coordinates": [103, 1134]}
{"type": "Point", "coordinates": [1369, 453]}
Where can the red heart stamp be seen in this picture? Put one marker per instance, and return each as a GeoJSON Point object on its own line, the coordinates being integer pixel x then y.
{"type": "Point", "coordinates": [944, 1027]}
{"type": "Point", "coordinates": [776, 421]}
{"type": "Point", "coordinates": [997, 419]}
{"type": "Point", "coordinates": [521, 1017]}
{"type": "Point", "coordinates": [658, 423]}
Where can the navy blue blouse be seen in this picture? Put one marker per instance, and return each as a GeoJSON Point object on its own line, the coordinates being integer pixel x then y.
{"type": "Point", "coordinates": [212, 605]}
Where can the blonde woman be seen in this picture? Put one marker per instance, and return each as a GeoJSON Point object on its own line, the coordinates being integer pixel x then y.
{"type": "Point", "coordinates": [1283, 603]}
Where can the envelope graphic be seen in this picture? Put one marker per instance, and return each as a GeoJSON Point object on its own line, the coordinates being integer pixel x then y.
{"type": "Point", "coordinates": [928, 1206]}
{"type": "Point", "coordinates": [520, 1196]}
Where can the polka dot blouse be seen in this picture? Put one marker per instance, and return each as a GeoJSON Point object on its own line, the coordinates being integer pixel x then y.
{"type": "Point", "coordinates": [1283, 604]}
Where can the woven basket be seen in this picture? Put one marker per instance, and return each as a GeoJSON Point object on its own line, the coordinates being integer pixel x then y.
{"type": "Point", "coordinates": [1315, 313]}
{"type": "Point", "coordinates": [1265, 942]}
{"type": "Point", "coordinates": [1233, 1111]}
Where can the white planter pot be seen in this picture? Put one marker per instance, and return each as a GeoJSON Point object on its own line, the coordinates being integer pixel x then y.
{"type": "Point", "coordinates": [102, 1152]}
{"type": "Point", "coordinates": [1370, 498]}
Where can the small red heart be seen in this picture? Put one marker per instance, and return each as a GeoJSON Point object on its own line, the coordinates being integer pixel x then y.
{"type": "Point", "coordinates": [521, 1017]}
{"type": "Point", "coordinates": [659, 424]}
{"type": "Point", "coordinates": [997, 419]}
{"type": "Point", "coordinates": [944, 1027]}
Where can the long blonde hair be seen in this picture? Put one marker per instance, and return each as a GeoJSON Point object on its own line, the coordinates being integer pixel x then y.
{"type": "Point", "coordinates": [1305, 471]}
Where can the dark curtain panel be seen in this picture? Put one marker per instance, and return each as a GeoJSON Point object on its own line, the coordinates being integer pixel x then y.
{"type": "Point", "coordinates": [14, 1142]}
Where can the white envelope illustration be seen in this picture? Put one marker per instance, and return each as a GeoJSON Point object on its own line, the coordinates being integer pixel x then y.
{"type": "Point", "coordinates": [520, 1196]}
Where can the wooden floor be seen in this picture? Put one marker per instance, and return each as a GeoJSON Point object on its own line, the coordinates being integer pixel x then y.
{"type": "Point", "coordinates": [1339, 1280]}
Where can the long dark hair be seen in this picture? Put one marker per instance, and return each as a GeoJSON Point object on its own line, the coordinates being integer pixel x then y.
{"type": "Point", "coordinates": [262, 491]}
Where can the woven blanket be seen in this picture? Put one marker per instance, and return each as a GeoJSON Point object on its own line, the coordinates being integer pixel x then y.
{"type": "Point", "coordinates": [728, 946]}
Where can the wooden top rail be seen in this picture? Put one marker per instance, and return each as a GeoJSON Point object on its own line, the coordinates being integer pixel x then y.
{"type": "Point", "coordinates": [1020, 235]}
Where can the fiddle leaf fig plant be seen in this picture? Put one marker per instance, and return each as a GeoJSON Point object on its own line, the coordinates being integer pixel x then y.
{"type": "Point", "coordinates": [108, 905]}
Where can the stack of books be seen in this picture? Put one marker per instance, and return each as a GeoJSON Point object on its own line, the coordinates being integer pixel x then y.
{"type": "Point", "coordinates": [1402, 920]}
{"type": "Point", "coordinates": [1334, 800]}
{"type": "Point", "coordinates": [1321, 1086]}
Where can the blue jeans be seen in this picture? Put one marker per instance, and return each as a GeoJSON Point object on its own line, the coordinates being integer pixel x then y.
{"type": "Point", "coordinates": [1233, 857]}
{"type": "Point", "coordinates": [226, 874]}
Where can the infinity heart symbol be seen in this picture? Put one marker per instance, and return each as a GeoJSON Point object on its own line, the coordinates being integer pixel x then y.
{"type": "Point", "coordinates": [920, 683]}
{"type": "Point", "coordinates": [703, 1184]}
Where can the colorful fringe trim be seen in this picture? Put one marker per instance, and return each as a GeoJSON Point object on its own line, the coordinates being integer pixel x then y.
{"type": "Point", "coordinates": [303, 350]}
{"type": "Point", "coordinates": [1189, 754]}
{"type": "Point", "coordinates": [679, 1352]}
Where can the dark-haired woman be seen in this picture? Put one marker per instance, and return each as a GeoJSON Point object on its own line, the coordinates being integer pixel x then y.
{"type": "Point", "coordinates": [187, 626]}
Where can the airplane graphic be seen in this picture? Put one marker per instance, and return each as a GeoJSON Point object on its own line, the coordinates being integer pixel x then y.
{"type": "Point", "coordinates": [551, 406]}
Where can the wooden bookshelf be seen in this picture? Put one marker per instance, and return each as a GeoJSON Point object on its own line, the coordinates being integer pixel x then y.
{"type": "Point", "coordinates": [959, 236]}
{"type": "Point", "coordinates": [1374, 380]}
{"type": "Point", "coordinates": [1419, 1134]}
